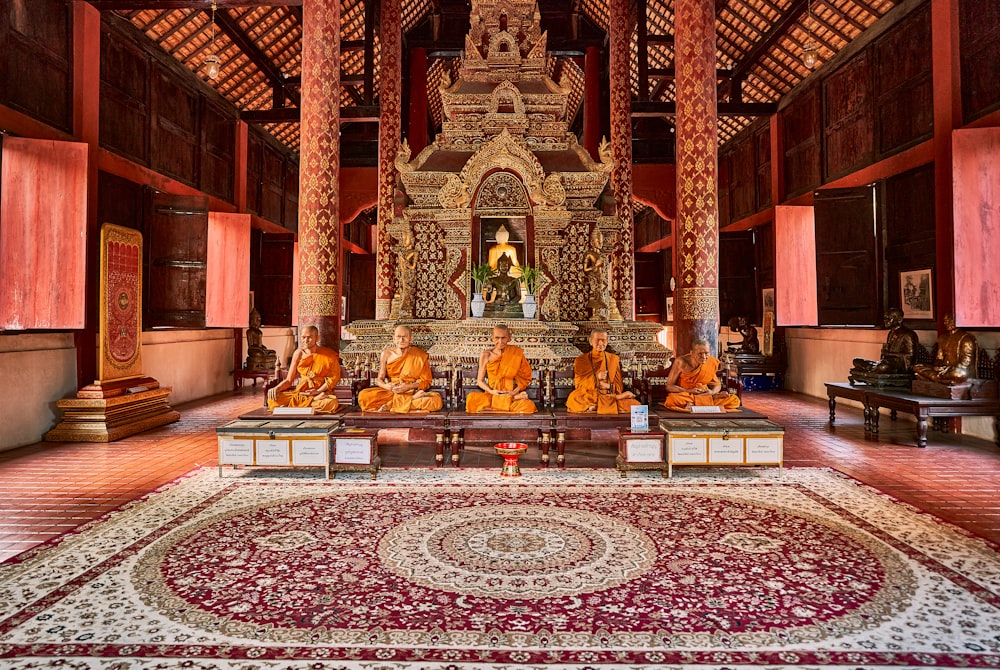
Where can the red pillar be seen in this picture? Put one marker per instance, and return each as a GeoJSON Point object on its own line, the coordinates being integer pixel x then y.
{"type": "Point", "coordinates": [620, 29]}
{"type": "Point", "coordinates": [389, 127]}
{"type": "Point", "coordinates": [592, 101]}
{"type": "Point", "coordinates": [417, 135]}
{"type": "Point", "coordinates": [946, 75]}
{"type": "Point", "coordinates": [697, 305]}
{"type": "Point", "coordinates": [320, 277]}
{"type": "Point", "coordinates": [86, 128]}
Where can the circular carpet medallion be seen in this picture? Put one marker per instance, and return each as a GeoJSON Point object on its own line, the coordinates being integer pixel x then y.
{"type": "Point", "coordinates": [462, 564]}
{"type": "Point", "coordinates": [517, 551]}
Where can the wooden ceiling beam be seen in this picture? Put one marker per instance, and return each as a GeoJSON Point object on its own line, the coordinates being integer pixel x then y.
{"type": "Point", "coordinates": [359, 114]}
{"type": "Point", "coordinates": [138, 5]}
{"type": "Point", "coordinates": [660, 109]}
{"type": "Point", "coordinates": [275, 77]}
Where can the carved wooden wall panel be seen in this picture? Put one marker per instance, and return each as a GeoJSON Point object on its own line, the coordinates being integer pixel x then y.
{"type": "Point", "coordinates": [36, 59]}
{"type": "Point", "coordinates": [737, 284]}
{"type": "Point", "coordinates": [762, 161]}
{"type": "Point", "coordinates": [743, 179]}
{"type": "Point", "coordinates": [174, 136]}
{"type": "Point", "coordinates": [910, 236]}
{"type": "Point", "coordinates": [124, 123]}
{"type": "Point", "coordinates": [848, 119]}
{"type": "Point", "coordinates": [272, 183]}
{"type": "Point", "coordinates": [218, 151]}
{"type": "Point", "coordinates": [290, 215]}
{"type": "Point", "coordinates": [272, 270]}
{"type": "Point", "coordinates": [119, 201]}
{"type": "Point", "coordinates": [904, 93]}
{"type": "Point", "coordinates": [764, 247]}
{"type": "Point", "coordinates": [801, 130]}
{"type": "Point", "coordinates": [255, 157]}
{"type": "Point", "coordinates": [848, 257]}
{"type": "Point", "coordinates": [725, 204]}
{"type": "Point", "coordinates": [176, 247]}
{"type": "Point", "coordinates": [979, 26]}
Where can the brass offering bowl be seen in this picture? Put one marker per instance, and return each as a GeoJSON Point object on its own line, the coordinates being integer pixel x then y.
{"type": "Point", "coordinates": [510, 451]}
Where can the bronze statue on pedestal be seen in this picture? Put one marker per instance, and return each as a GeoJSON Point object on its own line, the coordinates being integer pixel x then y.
{"type": "Point", "coordinates": [259, 357]}
{"type": "Point", "coordinates": [898, 351]}
{"type": "Point", "coordinates": [957, 357]}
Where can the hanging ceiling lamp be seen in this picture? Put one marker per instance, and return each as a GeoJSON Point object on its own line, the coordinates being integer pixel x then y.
{"type": "Point", "coordinates": [810, 50]}
{"type": "Point", "coordinates": [212, 59]}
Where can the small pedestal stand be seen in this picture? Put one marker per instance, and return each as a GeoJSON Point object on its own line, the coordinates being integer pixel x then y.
{"type": "Point", "coordinates": [510, 451]}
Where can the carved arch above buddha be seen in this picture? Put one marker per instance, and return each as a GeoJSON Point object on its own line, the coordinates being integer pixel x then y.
{"type": "Point", "coordinates": [507, 153]}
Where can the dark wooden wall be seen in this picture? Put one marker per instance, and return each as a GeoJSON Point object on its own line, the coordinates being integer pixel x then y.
{"type": "Point", "coordinates": [36, 63]}
{"type": "Point", "coordinates": [875, 105]}
{"type": "Point", "coordinates": [979, 26]}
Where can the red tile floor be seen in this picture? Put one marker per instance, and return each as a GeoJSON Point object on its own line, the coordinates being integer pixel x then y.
{"type": "Point", "coordinates": [49, 488]}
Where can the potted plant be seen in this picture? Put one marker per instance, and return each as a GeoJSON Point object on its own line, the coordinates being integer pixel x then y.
{"type": "Point", "coordinates": [480, 275]}
{"type": "Point", "coordinates": [529, 276]}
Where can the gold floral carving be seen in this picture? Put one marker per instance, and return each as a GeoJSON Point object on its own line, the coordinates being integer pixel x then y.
{"type": "Point", "coordinates": [318, 300]}
{"type": "Point", "coordinates": [698, 303]}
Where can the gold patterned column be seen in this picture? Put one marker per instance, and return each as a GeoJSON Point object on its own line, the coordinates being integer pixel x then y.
{"type": "Point", "coordinates": [620, 29]}
{"type": "Point", "coordinates": [697, 237]}
{"type": "Point", "coordinates": [389, 125]}
{"type": "Point", "coordinates": [319, 196]}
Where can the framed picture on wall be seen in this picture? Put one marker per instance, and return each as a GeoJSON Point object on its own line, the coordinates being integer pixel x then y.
{"type": "Point", "coordinates": [916, 292]}
{"type": "Point", "coordinates": [670, 309]}
{"type": "Point", "coordinates": [767, 297]}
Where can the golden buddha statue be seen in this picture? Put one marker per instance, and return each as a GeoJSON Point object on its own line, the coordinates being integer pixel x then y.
{"type": "Point", "coordinates": [957, 357]}
{"type": "Point", "coordinates": [504, 248]}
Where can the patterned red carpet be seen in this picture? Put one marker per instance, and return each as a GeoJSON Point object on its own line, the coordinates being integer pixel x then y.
{"type": "Point", "coordinates": [460, 569]}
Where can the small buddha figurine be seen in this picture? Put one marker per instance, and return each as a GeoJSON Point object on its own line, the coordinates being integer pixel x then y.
{"type": "Point", "coordinates": [259, 357]}
{"type": "Point", "coordinates": [897, 352]}
{"type": "Point", "coordinates": [502, 289]}
{"type": "Point", "coordinates": [504, 248]}
{"type": "Point", "coordinates": [956, 359]}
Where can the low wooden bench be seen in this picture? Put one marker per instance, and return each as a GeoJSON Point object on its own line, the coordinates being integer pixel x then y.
{"type": "Point", "coordinates": [921, 407]}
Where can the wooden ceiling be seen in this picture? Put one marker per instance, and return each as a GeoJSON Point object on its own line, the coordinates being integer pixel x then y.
{"type": "Point", "coordinates": [759, 43]}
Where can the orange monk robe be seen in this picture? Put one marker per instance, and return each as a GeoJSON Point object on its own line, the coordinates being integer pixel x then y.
{"type": "Point", "coordinates": [586, 394]}
{"type": "Point", "coordinates": [700, 377]}
{"type": "Point", "coordinates": [503, 374]}
{"type": "Point", "coordinates": [315, 369]}
{"type": "Point", "coordinates": [411, 367]}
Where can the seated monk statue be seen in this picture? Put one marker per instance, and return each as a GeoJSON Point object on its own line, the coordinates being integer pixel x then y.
{"type": "Point", "coordinates": [504, 248]}
{"type": "Point", "coordinates": [957, 357]}
{"type": "Point", "coordinates": [312, 376]}
{"type": "Point", "coordinates": [898, 351]}
{"type": "Point", "coordinates": [404, 375]}
{"type": "Point", "coordinates": [259, 357]}
{"type": "Point", "coordinates": [597, 378]}
{"type": "Point", "coordinates": [502, 289]}
{"type": "Point", "coordinates": [503, 377]}
{"type": "Point", "coordinates": [693, 380]}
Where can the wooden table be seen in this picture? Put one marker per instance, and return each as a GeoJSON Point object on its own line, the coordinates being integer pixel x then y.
{"type": "Point", "coordinates": [836, 390]}
{"type": "Point", "coordinates": [920, 406]}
